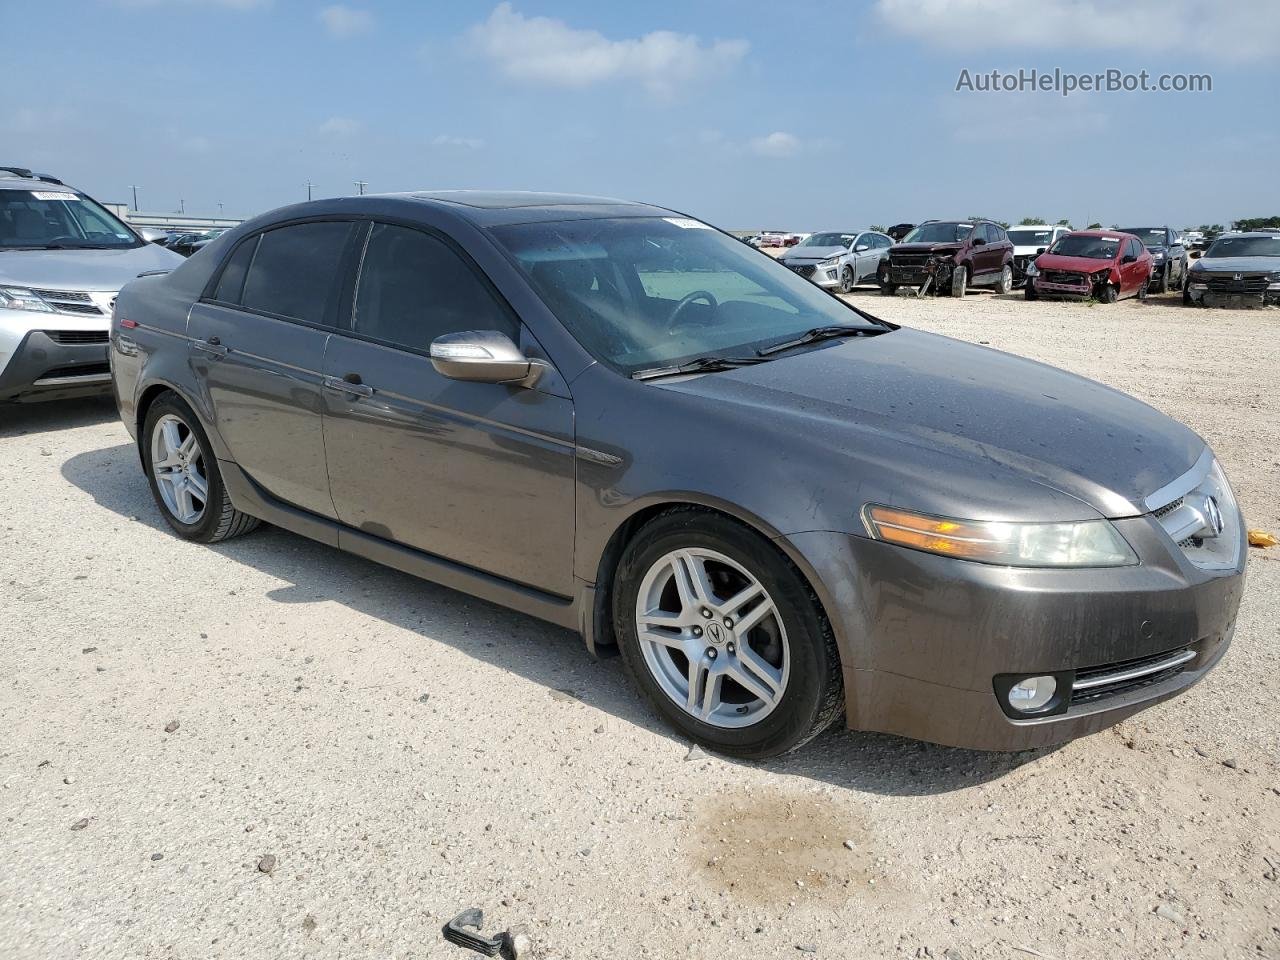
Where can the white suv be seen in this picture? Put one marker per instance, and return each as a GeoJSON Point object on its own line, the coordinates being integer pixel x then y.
{"type": "Point", "coordinates": [1029, 241]}
{"type": "Point", "coordinates": [63, 259]}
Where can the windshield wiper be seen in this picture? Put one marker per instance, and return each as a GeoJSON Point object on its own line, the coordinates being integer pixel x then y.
{"type": "Point", "coordinates": [818, 334]}
{"type": "Point", "coordinates": [697, 365]}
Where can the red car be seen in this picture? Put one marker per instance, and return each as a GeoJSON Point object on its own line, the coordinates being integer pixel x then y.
{"type": "Point", "coordinates": [1104, 265]}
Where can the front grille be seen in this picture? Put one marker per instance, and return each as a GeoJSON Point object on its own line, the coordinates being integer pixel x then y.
{"type": "Point", "coordinates": [76, 337]}
{"type": "Point", "coordinates": [803, 269]}
{"type": "Point", "coordinates": [908, 261]}
{"type": "Point", "coordinates": [1098, 683]}
{"type": "Point", "coordinates": [76, 370]}
{"type": "Point", "coordinates": [1250, 283]}
{"type": "Point", "coordinates": [1067, 277]}
{"type": "Point", "coordinates": [70, 301]}
{"type": "Point", "coordinates": [1020, 262]}
{"type": "Point", "coordinates": [1167, 509]}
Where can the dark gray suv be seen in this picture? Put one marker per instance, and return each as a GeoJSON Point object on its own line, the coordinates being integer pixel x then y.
{"type": "Point", "coordinates": [618, 419]}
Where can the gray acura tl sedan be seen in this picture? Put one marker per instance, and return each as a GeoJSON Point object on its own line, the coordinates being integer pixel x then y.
{"type": "Point", "coordinates": [618, 419]}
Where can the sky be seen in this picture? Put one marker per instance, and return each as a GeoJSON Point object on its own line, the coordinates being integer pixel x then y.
{"type": "Point", "coordinates": [765, 114]}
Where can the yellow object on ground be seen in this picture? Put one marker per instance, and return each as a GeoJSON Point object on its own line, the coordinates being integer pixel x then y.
{"type": "Point", "coordinates": [1260, 538]}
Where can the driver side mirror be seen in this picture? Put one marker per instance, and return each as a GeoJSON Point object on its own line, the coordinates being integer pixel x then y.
{"type": "Point", "coordinates": [979, 242]}
{"type": "Point", "coordinates": [860, 248]}
{"type": "Point", "coordinates": [1195, 254]}
{"type": "Point", "coordinates": [1128, 258]}
{"type": "Point", "coordinates": [484, 356]}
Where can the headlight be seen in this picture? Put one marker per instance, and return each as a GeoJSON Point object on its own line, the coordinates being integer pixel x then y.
{"type": "Point", "coordinates": [20, 298]}
{"type": "Point", "coordinates": [1099, 275]}
{"type": "Point", "coordinates": [1032, 270]}
{"type": "Point", "coordinates": [830, 261]}
{"type": "Point", "coordinates": [1088, 543]}
{"type": "Point", "coordinates": [1157, 254]}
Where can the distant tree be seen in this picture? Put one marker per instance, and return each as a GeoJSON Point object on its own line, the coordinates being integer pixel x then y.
{"type": "Point", "coordinates": [1003, 224]}
{"type": "Point", "coordinates": [1094, 226]}
{"type": "Point", "coordinates": [1256, 223]}
{"type": "Point", "coordinates": [878, 228]}
{"type": "Point", "coordinates": [1211, 230]}
{"type": "Point", "coordinates": [1065, 223]}
{"type": "Point", "coordinates": [1030, 221]}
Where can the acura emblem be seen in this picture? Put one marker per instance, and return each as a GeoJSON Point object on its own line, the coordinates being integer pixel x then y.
{"type": "Point", "coordinates": [1213, 516]}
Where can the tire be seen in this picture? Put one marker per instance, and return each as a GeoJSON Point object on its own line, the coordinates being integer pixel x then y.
{"type": "Point", "coordinates": [1186, 296]}
{"type": "Point", "coordinates": [959, 281]}
{"type": "Point", "coordinates": [1163, 285]}
{"type": "Point", "coordinates": [847, 282]}
{"type": "Point", "coordinates": [1029, 291]}
{"type": "Point", "coordinates": [216, 519]}
{"type": "Point", "coordinates": [793, 642]}
{"type": "Point", "coordinates": [1142, 292]}
{"type": "Point", "coordinates": [888, 289]}
{"type": "Point", "coordinates": [1004, 285]}
{"type": "Point", "coordinates": [1109, 294]}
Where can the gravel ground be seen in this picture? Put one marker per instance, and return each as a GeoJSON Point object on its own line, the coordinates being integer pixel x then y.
{"type": "Point", "coordinates": [174, 714]}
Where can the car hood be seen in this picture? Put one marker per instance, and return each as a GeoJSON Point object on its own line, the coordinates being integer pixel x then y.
{"type": "Point", "coordinates": [924, 248]}
{"type": "Point", "coordinates": [960, 430]}
{"type": "Point", "coordinates": [812, 253]}
{"type": "Point", "coordinates": [1237, 264]}
{"type": "Point", "coordinates": [97, 270]}
{"type": "Point", "coordinates": [1056, 261]}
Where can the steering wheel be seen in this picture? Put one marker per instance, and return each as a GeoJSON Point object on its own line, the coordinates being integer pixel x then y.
{"type": "Point", "coordinates": [688, 298]}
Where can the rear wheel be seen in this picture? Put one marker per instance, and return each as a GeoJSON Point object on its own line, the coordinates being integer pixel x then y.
{"type": "Point", "coordinates": [724, 636]}
{"type": "Point", "coordinates": [959, 281]}
{"type": "Point", "coordinates": [184, 476]}
{"type": "Point", "coordinates": [1005, 284]}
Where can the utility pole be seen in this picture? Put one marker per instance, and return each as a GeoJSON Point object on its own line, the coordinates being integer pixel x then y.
{"type": "Point", "coordinates": [182, 205]}
{"type": "Point", "coordinates": [360, 185]}
{"type": "Point", "coordinates": [219, 208]}
{"type": "Point", "coordinates": [135, 197]}
{"type": "Point", "coordinates": [309, 186]}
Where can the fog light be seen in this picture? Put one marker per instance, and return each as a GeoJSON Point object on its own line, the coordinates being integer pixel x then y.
{"type": "Point", "coordinates": [1029, 695]}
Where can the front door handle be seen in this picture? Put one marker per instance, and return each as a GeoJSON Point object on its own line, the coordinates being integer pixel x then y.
{"type": "Point", "coordinates": [211, 346]}
{"type": "Point", "coordinates": [351, 385]}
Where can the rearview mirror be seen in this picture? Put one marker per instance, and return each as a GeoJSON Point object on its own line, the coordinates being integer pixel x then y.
{"type": "Point", "coordinates": [483, 356]}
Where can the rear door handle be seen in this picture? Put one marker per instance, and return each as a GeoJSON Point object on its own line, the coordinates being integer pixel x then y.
{"type": "Point", "coordinates": [211, 346]}
{"type": "Point", "coordinates": [351, 385]}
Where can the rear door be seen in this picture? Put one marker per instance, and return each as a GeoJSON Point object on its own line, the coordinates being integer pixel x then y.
{"type": "Point", "coordinates": [257, 348]}
{"type": "Point", "coordinates": [478, 473]}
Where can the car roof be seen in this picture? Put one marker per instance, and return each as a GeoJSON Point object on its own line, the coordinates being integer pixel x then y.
{"type": "Point", "coordinates": [33, 183]}
{"type": "Point", "coordinates": [1268, 232]}
{"type": "Point", "coordinates": [496, 207]}
{"type": "Point", "coordinates": [1101, 233]}
{"type": "Point", "coordinates": [1038, 226]}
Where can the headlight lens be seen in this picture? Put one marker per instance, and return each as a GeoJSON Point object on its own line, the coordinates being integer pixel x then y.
{"type": "Point", "coordinates": [20, 298]}
{"type": "Point", "coordinates": [1088, 543]}
{"type": "Point", "coordinates": [1101, 274]}
{"type": "Point", "coordinates": [830, 261]}
{"type": "Point", "coordinates": [1032, 270]}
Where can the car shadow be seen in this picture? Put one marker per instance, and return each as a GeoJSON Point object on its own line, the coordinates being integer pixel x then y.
{"type": "Point", "coordinates": [547, 655]}
{"type": "Point", "coordinates": [20, 419]}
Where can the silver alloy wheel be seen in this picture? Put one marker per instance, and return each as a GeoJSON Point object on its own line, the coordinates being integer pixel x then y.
{"type": "Point", "coordinates": [178, 465]}
{"type": "Point", "coordinates": [712, 638]}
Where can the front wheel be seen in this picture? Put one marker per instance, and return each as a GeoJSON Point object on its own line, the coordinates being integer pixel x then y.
{"type": "Point", "coordinates": [724, 636]}
{"type": "Point", "coordinates": [1109, 293]}
{"type": "Point", "coordinates": [1164, 280]}
{"type": "Point", "coordinates": [1029, 291]}
{"type": "Point", "coordinates": [847, 281]}
{"type": "Point", "coordinates": [184, 476]}
{"type": "Point", "coordinates": [959, 281]}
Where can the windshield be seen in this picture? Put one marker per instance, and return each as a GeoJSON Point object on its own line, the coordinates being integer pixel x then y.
{"type": "Point", "coordinates": [939, 233]}
{"type": "Point", "coordinates": [1030, 238]}
{"type": "Point", "coordinates": [1083, 245]}
{"type": "Point", "coordinates": [57, 218]}
{"type": "Point", "coordinates": [828, 240]}
{"type": "Point", "coordinates": [1245, 247]}
{"type": "Point", "coordinates": [1150, 236]}
{"type": "Point", "coordinates": [650, 291]}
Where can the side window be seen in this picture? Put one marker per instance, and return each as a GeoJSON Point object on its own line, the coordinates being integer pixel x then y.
{"type": "Point", "coordinates": [231, 283]}
{"type": "Point", "coordinates": [414, 288]}
{"type": "Point", "coordinates": [1133, 248]}
{"type": "Point", "coordinates": [997, 234]}
{"type": "Point", "coordinates": [296, 272]}
{"type": "Point", "coordinates": [983, 232]}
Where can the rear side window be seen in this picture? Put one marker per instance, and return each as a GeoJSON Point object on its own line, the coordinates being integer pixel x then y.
{"type": "Point", "coordinates": [414, 288]}
{"type": "Point", "coordinates": [296, 271]}
{"type": "Point", "coordinates": [231, 283]}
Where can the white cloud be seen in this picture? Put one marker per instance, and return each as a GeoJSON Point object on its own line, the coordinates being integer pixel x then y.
{"type": "Point", "coordinates": [1239, 30]}
{"type": "Point", "coordinates": [466, 143]}
{"type": "Point", "coordinates": [340, 127]}
{"type": "Point", "coordinates": [343, 21]}
{"type": "Point", "coordinates": [777, 144]}
{"type": "Point", "coordinates": [548, 51]}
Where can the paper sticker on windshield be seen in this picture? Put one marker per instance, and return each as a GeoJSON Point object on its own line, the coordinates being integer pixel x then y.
{"type": "Point", "coordinates": [686, 224]}
{"type": "Point", "coordinates": [47, 195]}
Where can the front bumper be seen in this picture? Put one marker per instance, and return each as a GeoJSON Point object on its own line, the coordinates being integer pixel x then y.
{"type": "Point", "coordinates": [1049, 289]}
{"type": "Point", "coordinates": [56, 364]}
{"type": "Point", "coordinates": [923, 638]}
{"type": "Point", "coordinates": [1239, 300]}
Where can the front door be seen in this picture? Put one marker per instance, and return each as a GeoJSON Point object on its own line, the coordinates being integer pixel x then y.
{"type": "Point", "coordinates": [481, 474]}
{"type": "Point", "coordinates": [257, 349]}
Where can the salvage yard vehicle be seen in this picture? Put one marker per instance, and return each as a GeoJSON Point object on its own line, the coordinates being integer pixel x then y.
{"type": "Point", "coordinates": [1029, 241]}
{"type": "Point", "coordinates": [616, 418]}
{"type": "Point", "coordinates": [1240, 270]}
{"type": "Point", "coordinates": [838, 259]}
{"type": "Point", "coordinates": [1169, 256]}
{"type": "Point", "coordinates": [953, 256]}
{"type": "Point", "coordinates": [63, 257]}
{"type": "Point", "coordinates": [1103, 265]}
